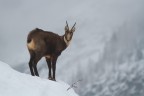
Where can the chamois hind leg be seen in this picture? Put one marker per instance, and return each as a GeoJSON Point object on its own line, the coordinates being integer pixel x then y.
{"type": "Point", "coordinates": [48, 60]}
{"type": "Point", "coordinates": [36, 59]}
{"type": "Point", "coordinates": [31, 66]}
{"type": "Point", "coordinates": [31, 62]}
{"type": "Point", "coordinates": [54, 59]}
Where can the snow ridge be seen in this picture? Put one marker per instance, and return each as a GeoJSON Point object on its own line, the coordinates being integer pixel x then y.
{"type": "Point", "coordinates": [14, 83]}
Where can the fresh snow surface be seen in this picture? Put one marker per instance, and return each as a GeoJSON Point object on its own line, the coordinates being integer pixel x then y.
{"type": "Point", "coordinates": [13, 83]}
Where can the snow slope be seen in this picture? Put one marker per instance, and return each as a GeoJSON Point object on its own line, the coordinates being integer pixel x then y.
{"type": "Point", "coordinates": [13, 83]}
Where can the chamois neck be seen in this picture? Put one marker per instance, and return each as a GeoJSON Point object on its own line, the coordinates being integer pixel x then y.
{"type": "Point", "coordinates": [65, 40]}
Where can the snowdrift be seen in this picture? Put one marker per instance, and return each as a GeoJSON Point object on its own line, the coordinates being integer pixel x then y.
{"type": "Point", "coordinates": [13, 83]}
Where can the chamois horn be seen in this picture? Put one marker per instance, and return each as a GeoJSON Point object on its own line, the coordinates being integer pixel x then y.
{"type": "Point", "coordinates": [67, 24]}
{"type": "Point", "coordinates": [74, 25]}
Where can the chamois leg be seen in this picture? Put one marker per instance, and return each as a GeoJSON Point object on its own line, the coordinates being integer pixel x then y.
{"type": "Point", "coordinates": [31, 62]}
{"type": "Point", "coordinates": [35, 65]}
{"type": "Point", "coordinates": [54, 67]}
{"type": "Point", "coordinates": [35, 69]}
{"type": "Point", "coordinates": [31, 66]}
{"type": "Point", "coordinates": [49, 66]}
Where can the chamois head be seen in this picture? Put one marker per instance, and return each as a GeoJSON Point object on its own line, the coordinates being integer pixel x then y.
{"type": "Point", "coordinates": [68, 33]}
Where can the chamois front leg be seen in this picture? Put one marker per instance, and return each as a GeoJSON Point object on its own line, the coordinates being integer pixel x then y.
{"type": "Point", "coordinates": [54, 59]}
{"type": "Point", "coordinates": [48, 60]}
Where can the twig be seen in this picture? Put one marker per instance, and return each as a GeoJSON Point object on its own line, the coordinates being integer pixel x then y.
{"type": "Point", "coordinates": [74, 85]}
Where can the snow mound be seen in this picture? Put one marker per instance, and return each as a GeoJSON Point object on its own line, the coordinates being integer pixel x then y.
{"type": "Point", "coordinates": [13, 83]}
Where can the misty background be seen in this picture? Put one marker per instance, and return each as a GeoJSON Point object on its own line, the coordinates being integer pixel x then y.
{"type": "Point", "coordinates": [107, 49]}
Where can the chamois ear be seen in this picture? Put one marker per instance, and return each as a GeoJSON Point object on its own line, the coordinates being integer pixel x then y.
{"type": "Point", "coordinates": [73, 28]}
{"type": "Point", "coordinates": [66, 27]}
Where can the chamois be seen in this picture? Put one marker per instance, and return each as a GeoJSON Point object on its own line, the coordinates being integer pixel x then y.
{"type": "Point", "coordinates": [47, 44]}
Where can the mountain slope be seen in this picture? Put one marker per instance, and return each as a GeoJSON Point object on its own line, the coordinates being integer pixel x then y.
{"type": "Point", "coordinates": [13, 83]}
{"type": "Point", "coordinates": [120, 69]}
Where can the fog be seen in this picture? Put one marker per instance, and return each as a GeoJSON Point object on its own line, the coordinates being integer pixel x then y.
{"type": "Point", "coordinates": [18, 17]}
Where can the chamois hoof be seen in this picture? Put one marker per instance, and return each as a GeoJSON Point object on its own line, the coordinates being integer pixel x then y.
{"type": "Point", "coordinates": [50, 78]}
{"type": "Point", "coordinates": [53, 79]}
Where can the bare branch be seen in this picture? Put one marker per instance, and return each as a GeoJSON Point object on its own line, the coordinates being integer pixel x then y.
{"type": "Point", "coordinates": [74, 85]}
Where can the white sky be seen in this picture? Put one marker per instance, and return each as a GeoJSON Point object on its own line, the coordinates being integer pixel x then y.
{"type": "Point", "coordinates": [18, 17]}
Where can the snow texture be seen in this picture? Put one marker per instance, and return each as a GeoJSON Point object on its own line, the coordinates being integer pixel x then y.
{"type": "Point", "coordinates": [13, 83]}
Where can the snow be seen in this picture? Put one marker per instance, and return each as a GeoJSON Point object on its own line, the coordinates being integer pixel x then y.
{"type": "Point", "coordinates": [13, 83]}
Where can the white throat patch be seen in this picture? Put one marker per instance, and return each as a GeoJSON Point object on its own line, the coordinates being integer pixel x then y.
{"type": "Point", "coordinates": [67, 42]}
